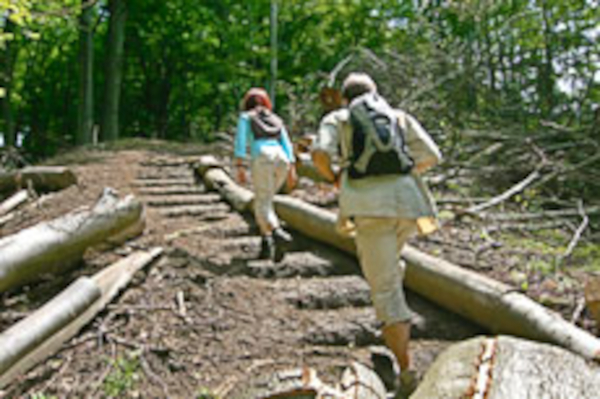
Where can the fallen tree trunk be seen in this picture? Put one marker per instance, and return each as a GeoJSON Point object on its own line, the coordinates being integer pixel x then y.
{"type": "Point", "coordinates": [487, 302]}
{"type": "Point", "coordinates": [59, 244]}
{"type": "Point", "coordinates": [41, 178]}
{"type": "Point", "coordinates": [42, 334]}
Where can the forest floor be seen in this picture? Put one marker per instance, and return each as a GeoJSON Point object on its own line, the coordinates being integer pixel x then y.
{"type": "Point", "coordinates": [207, 317]}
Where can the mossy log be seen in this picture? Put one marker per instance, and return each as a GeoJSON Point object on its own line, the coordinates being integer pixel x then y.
{"type": "Point", "coordinates": [487, 302]}
{"type": "Point", "coordinates": [57, 245]}
{"type": "Point", "coordinates": [41, 178]}
{"type": "Point", "coordinates": [42, 334]}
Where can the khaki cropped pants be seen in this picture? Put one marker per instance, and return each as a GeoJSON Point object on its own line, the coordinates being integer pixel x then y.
{"type": "Point", "coordinates": [379, 242]}
{"type": "Point", "coordinates": [269, 172]}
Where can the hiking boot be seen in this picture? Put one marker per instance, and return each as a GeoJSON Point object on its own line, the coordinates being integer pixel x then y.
{"type": "Point", "coordinates": [266, 248]}
{"type": "Point", "coordinates": [283, 241]}
{"type": "Point", "coordinates": [408, 383]}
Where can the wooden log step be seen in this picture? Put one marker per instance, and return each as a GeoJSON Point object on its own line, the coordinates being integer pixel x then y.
{"type": "Point", "coordinates": [171, 190]}
{"type": "Point", "coordinates": [343, 327]}
{"type": "Point", "coordinates": [297, 264]}
{"type": "Point", "coordinates": [327, 293]}
{"type": "Point", "coordinates": [160, 182]}
{"type": "Point", "coordinates": [160, 162]}
{"type": "Point", "coordinates": [429, 321]}
{"type": "Point", "coordinates": [195, 210]}
{"type": "Point", "coordinates": [184, 200]}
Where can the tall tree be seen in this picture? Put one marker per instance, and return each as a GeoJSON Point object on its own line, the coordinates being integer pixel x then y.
{"type": "Point", "coordinates": [114, 70]}
{"type": "Point", "coordinates": [6, 83]}
{"type": "Point", "coordinates": [86, 69]}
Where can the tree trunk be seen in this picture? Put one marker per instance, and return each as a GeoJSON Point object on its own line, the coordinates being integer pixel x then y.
{"type": "Point", "coordinates": [41, 178]}
{"type": "Point", "coordinates": [44, 332]}
{"type": "Point", "coordinates": [6, 83]}
{"type": "Point", "coordinates": [487, 302]}
{"type": "Point", "coordinates": [59, 244]}
{"type": "Point", "coordinates": [86, 79]}
{"type": "Point", "coordinates": [546, 67]}
{"type": "Point", "coordinates": [114, 69]}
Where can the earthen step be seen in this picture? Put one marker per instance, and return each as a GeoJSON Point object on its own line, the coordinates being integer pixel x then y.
{"type": "Point", "coordinates": [184, 200]}
{"type": "Point", "coordinates": [168, 190]}
{"type": "Point", "coordinates": [195, 210]}
{"type": "Point", "coordinates": [160, 182]}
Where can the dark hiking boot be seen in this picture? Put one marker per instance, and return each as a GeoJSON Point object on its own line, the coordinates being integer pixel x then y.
{"type": "Point", "coordinates": [283, 241]}
{"type": "Point", "coordinates": [266, 248]}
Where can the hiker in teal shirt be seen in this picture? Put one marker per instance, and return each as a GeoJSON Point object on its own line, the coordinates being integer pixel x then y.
{"type": "Point", "coordinates": [272, 162]}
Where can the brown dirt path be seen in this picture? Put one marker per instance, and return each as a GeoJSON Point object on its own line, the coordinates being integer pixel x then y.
{"type": "Point", "coordinates": [207, 316]}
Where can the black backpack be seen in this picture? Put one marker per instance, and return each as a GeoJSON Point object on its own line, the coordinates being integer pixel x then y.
{"type": "Point", "coordinates": [378, 142]}
{"type": "Point", "coordinates": [265, 124]}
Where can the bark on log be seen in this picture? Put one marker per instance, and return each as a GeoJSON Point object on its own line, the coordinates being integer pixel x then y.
{"type": "Point", "coordinates": [59, 244]}
{"type": "Point", "coordinates": [41, 178]}
{"type": "Point", "coordinates": [42, 334]}
{"type": "Point", "coordinates": [24, 336]}
{"type": "Point", "coordinates": [487, 302]}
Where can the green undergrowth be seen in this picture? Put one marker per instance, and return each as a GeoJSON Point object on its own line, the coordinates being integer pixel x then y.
{"type": "Point", "coordinates": [123, 377]}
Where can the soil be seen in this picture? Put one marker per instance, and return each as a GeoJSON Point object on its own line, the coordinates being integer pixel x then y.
{"type": "Point", "coordinates": [207, 317]}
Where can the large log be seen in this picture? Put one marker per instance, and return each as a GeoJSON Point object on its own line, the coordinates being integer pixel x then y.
{"type": "Point", "coordinates": [485, 301]}
{"type": "Point", "coordinates": [41, 178]}
{"type": "Point", "coordinates": [59, 244]}
{"type": "Point", "coordinates": [42, 334]}
{"type": "Point", "coordinates": [507, 367]}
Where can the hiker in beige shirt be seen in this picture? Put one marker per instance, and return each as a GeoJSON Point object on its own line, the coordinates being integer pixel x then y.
{"type": "Point", "coordinates": [383, 211]}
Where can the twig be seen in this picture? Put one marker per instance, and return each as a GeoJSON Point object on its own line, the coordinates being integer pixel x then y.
{"type": "Point", "coordinates": [578, 310]}
{"type": "Point", "coordinates": [541, 215]}
{"type": "Point", "coordinates": [577, 236]}
{"type": "Point", "coordinates": [568, 170]}
{"type": "Point", "coordinates": [181, 304]}
{"type": "Point", "coordinates": [517, 188]}
{"type": "Point", "coordinates": [153, 376]}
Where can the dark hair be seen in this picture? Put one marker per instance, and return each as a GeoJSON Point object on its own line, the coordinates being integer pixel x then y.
{"type": "Point", "coordinates": [356, 84]}
{"type": "Point", "coordinates": [255, 97]}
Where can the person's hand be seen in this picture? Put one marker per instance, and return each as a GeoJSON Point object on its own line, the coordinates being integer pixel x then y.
{"type": "Point", "coordinates": [292, 178]}
{"type": "Point", "coordinates": [241, 174]}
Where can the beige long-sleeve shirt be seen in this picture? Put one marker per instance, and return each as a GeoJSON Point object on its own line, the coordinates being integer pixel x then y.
{"type": "Point", "coordinates": [398, 196]}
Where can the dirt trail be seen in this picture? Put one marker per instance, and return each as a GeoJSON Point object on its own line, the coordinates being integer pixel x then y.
{"type": "Point", "coordinates": [208, 315]}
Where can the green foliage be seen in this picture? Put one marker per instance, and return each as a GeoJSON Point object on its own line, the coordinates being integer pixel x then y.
{"type": "Point", "coordinates": [205, 393]}
{"type": "Point", "coordinates": [43, 396]}
{"type": "Point", "coordinates": [123, 376]}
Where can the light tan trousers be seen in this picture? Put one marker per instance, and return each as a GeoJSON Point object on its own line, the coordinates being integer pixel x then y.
{"type": "Point", "coordinates": [269, 172]}
{"type": "Point", "coordinates": [379, 242]}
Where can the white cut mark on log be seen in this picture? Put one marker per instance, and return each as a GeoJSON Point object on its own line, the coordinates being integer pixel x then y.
{"type": "Point", "coordinates": [181, 304]}
{"type": "Point", "coordinates": [483, 378]}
